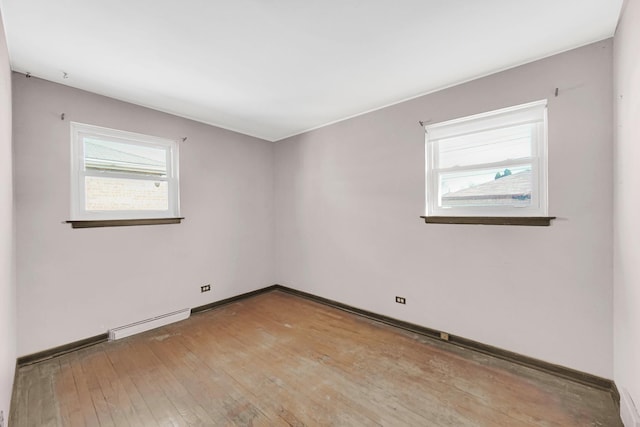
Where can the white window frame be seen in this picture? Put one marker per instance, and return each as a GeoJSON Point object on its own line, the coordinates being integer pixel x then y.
{"type": "Point", "coordinates": [506, 117]}
{"type": "Point", "coordinates": [78, 173]}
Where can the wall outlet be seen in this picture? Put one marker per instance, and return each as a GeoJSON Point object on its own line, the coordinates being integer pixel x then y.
{"type": "Point", "coordinates": [444, 336]}
{"type": "Point", "coordinates": [401, 300]}
{"type": "Point", "coordinates": [205, 288]}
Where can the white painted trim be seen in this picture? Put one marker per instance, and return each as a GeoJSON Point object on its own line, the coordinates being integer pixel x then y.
{"type": "Point", "coordinates": [628, 411]}
{"type": "Point", "coordinates": [78, 173]}
{"type": "Point", "coordinates": [534, 113]}
{"type": "Point", "coordinates": [148, 324]}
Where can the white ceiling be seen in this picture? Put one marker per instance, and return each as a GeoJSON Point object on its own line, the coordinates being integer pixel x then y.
{"type": "Point", "coordinates": [275, 68]}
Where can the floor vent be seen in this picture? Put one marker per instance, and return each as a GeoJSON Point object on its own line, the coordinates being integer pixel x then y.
{"type": "Point", "coordinates": [148, 324]}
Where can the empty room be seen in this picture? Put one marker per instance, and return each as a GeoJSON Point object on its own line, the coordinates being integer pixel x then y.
{"type": "Point", "coordinates": [314, 213]}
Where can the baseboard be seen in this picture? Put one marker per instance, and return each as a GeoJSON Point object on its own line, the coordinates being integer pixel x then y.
{"type": "Point", "coordinates": [80, 344]}
{"type": "Point", "coordinates": [226, 301]}
{"type": "Point", "coordinates": [615, 394]}
{"type": "Point", "coordinates": [628, 411]}
{"type": "Point", "coordinates": [557, 370]}
{"type": "Point", "coordinates": [60, 350]}
{"type": "Point", "coordinates": [540, 365]}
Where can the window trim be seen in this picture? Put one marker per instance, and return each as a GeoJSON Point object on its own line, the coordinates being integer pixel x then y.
{"type": "Point", "coordinates": [481, 122]}
{"type": "Point", "coordinates": [490, 220]}
{"type": "Point", "coordinates": [122, 222]}
{"type": "Point", "coordinates": [80, 214]}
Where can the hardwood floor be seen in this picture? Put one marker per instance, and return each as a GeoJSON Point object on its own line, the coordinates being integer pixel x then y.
{"type": "Point", "coordinates": [277, 359]}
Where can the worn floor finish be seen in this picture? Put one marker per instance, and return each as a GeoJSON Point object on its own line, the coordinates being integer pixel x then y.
{"type": "Point", "coordinates": [277, 359]}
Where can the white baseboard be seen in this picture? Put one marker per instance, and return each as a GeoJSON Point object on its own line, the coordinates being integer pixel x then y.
{"type": "Point", "coordinates": [628, 410]}
{"type": "Point", "coordinates": [148, 324]}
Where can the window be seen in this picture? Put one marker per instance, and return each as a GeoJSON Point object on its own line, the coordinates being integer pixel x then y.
{"type": "Point", "coordinates": [122, 175]}
{"type": "Point", "coordinates": [489, 165]}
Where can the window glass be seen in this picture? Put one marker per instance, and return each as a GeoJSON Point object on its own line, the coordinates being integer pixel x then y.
{"type": "Point", "coordinates": [486, 147]}
{"type": "Point", "coordinates": [122, 194]}
{"type": "Point", "coordinates": [122, 175]}
{"type": "Point", "coordinates": [132, 158]}
{"type": "Point", "coordinates": [491, 164]}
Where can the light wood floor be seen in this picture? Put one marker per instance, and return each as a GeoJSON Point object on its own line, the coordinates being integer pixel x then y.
{"type": "Point", "coordinates": [277, 359]}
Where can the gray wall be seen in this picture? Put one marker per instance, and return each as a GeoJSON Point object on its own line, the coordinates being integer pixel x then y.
{"type": "Point", "coordinates": [340, 206]}
{"type": "Point", "coordinates": [626, 209]}
{"type": "Point", "coordinates": [79, 283]}
{"type": "Point", "coordinates": [7, 232]}
{"type": "Point", "coordinates": [349, 197]}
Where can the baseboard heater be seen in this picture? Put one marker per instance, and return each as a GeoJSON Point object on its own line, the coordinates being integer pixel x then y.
{"type": "Point", "coordinates": [148, 324]}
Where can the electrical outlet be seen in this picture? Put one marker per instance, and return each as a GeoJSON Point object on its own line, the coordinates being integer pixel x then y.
{"type": "Point", "coordinates": [444, 336]}
{"type": "Point", "coordinates": [401, 300]}
{"type": "Point", "coordinates": [205, 288]}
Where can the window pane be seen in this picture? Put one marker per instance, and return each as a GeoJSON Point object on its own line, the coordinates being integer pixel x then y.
{"type": "Point", "coordinates": [119, 157]}
{"type": "Point", "coordinates": [486, 147]}
{"type": "Point", "coordinates": [117, 194]}
{"type": "Point", "coordinates": [486, 187]}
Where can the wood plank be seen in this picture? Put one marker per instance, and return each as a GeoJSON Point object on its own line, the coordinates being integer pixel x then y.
{"type": "Point", "coordinates": [122, 371]}
{"type": "Point", "coordinates": [50, 413]}
{"type": "Point", "coordinates": [142, 375]}
{"type": "Point", "coordinates": [68, 396]}
{"type": "Point", "coordinates": [19, 402]}
{"type": "Point", "coordinates": [278, 359]}
{"type": "Point", "coordinates": [82, 367]}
